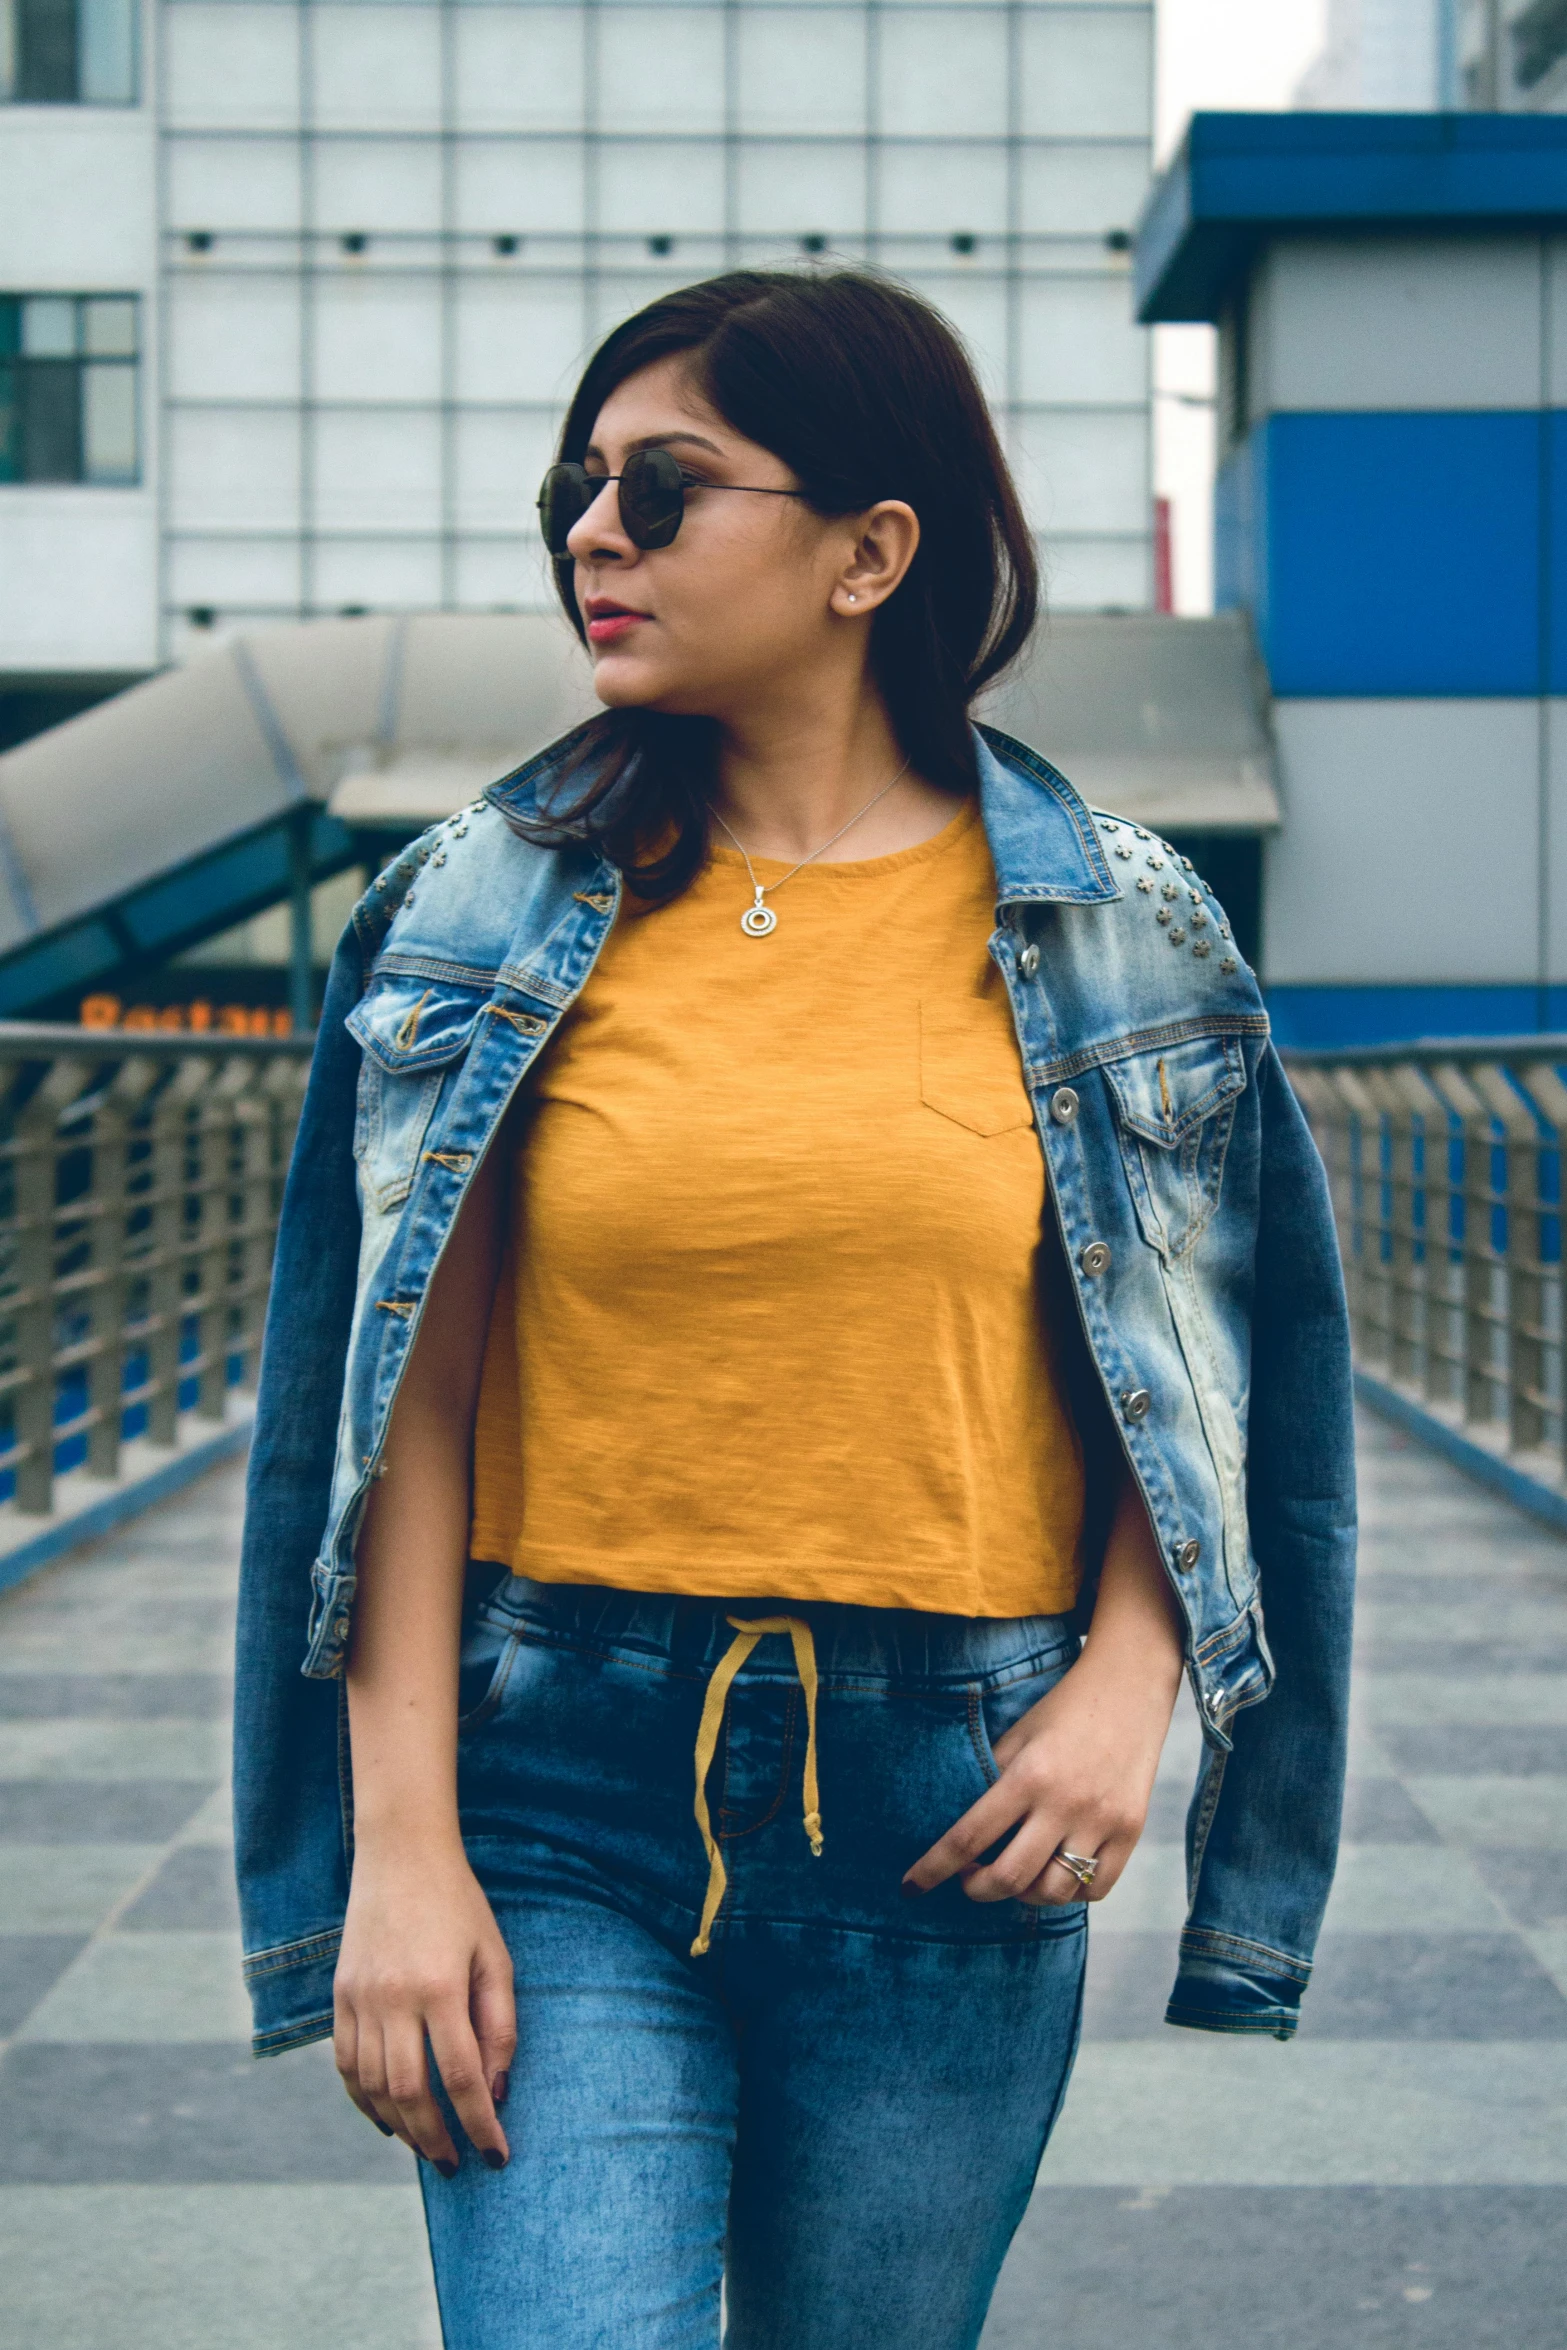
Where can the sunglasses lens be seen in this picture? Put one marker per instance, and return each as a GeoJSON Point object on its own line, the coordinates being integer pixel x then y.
{"type": "Point", "coordinates": [652, 497]}
{"type": "Point", "coordinates": [563, 500]}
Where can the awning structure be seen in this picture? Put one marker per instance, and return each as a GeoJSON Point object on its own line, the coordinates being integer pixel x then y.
{"type": "Point", "coordinates": [163, 816]}
{"type": "Point", "coordinates": [196, 799]}
{"type": "Point", "coordinates": [1162, 720]}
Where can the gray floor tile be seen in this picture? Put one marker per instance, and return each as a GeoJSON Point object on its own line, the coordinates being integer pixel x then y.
{"type": "Point", "coordinates": [1485, 1809]}
{"type": "Point", "coordinates": [122, 1697]}
{"type": "Point", "coordinates": [216, 2268]}
{"type": "Point", "coordinates": [1129, 1979]}
{"type": "Point", "coordinates": [1364, 1987]}
{"type": "Point", "coordinates": [1483, 1614]}
{"type": "Point", "coordinates": [1379, 2268]}
{"type": "Point", "coordinates": [183, 2115]}
{"type": "Point", "coordinates": [1531, 1886]}
{"type": "Point", "coordinates": [114, 1750]}
{"type": "Point", "coordinates": [1386, 1653]}
{"type": "Point", "coordinates": [1200, 2108]}
{"type": "Point", "coordinates": [148, 1987]}
{"type": "Point", "coordinates": [29, 1963]}
{"type": "Point", "coordinates": [1379, 1811]}
{"type": "Point", "coordinates": [67, 1888]}
{"type": "Point", "coordinates": [97, 1811]}
{"type": "Point", "coordinates": [1500, 1749]}
{"type": "Point", "coordinates": [1467, 1701]}
{"type": "Point", "coordinates": [1430, 1987]}
{"type": "Point", "coordinates": [194, 1889]}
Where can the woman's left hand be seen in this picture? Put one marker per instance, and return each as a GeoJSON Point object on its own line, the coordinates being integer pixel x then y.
{"type": "Point", "coordinates": [1078, 1768]}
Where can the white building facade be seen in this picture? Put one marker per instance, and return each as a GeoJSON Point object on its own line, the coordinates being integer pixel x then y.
{"type": "Point", "coordinates": [1385, 56]}
{"type": "Point", "coordinates": [292, 291]}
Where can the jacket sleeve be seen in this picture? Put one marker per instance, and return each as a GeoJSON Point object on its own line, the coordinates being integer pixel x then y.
{"type": "Point", "coordinates": [1262, 1837]}
{"type": "Point", "coordinates": [290, 1832]}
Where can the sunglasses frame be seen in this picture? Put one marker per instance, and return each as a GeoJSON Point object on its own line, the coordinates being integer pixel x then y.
{"type": "Point", "coordinates": [646, 532]}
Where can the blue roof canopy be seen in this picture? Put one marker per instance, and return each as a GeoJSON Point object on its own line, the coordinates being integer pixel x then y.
{"type": "Point", "coordinates": [1241, 179]}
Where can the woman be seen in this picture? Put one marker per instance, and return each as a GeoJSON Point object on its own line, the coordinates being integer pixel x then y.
{"type": "Point", "coordinates": [795, 1221]}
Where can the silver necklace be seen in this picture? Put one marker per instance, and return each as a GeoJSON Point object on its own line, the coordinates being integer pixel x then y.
{"type": "Point", "coordinates": [759, 919]}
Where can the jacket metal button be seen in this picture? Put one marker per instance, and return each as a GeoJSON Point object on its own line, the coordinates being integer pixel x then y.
{"type": "Point", "coordinates": [1095, 1259]}
{"type": "Point", "coordinates": [1187, 1554]}
{"type": "Point", "coordinates": [1136, 1403]}
{"type": "Point", "coordinates": [1028, 961]}
{"type": "Point", "coordinates": [1064, 1105]}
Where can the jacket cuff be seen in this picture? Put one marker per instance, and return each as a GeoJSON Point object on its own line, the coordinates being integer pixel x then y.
{"type": "Point", "coordinates": [1227, 1985]}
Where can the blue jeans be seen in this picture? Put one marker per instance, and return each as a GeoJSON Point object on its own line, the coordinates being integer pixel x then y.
{"type": "Point", "coordinates": [837, 2112]}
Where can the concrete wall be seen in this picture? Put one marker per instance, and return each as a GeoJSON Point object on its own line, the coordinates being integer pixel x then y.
{"type": "Point", "coordinates": [78, 214]}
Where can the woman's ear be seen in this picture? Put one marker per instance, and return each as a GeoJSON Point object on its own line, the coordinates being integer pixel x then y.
{"type": "Point", "coordinates": [886, 540]}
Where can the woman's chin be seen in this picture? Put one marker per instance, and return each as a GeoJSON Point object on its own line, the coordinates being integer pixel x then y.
{"type": "Point", "coordinates": [623, 682]}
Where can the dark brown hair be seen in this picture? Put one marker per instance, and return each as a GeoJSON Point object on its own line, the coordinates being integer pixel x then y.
{"type": "Point", "coordinates": [865, 392]}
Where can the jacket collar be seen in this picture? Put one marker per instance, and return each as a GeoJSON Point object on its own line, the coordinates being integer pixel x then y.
{"type": "Point", "coordinates": [1043, 841]}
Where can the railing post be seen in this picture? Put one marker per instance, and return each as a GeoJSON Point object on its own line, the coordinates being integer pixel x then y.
{"type": "Point", "coordinates": [1364, 1144]}
{"type": "Point", "coordinates": [167, 1254]}
{"type": "Point", "coordinates": [1405, 1321]}
{"type": "Point", "coordinates": [110, 1194]}
{"type": "Point", "coordinates": [1549, 1096]}
{"type": "Point", "coordinates": [37, 1130]}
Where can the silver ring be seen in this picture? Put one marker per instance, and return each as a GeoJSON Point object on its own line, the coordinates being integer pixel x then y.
{"type": "Point", "coordinates": [1078, 1865]}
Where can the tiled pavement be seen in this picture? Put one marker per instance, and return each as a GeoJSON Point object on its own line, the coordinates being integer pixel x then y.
{"type": "Point", "coordinates": [1395, 2177]}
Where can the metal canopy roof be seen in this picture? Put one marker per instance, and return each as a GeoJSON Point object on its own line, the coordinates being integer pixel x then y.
{"type": "Point", "coordinates": [1240, 179]}
{"type": "Point", "coordinates": [1161, 720]}
{"type": "Point", "coordinates": [163, 816]}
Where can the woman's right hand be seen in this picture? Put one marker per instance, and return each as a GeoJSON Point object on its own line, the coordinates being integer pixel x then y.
{"type": "Point", "coordinates": [422, 1955]}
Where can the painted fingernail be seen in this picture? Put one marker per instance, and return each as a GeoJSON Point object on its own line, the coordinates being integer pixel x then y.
{"type": "Point", "coordinates": [447, 2168]}
{"type": "Point", "coordinates": [502, 2084]}
{"type": "Point", "coordinates": [385, 2128]}
{"type": "Point", "coordinates": [911, 1891]}
{"type": "Point", "coordinates": [494, 2157]}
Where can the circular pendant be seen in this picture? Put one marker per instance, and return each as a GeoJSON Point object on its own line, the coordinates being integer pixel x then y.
{"type": "Point", "coordinates": [758, 920]}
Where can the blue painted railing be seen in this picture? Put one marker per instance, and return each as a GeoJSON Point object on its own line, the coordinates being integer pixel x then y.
{"type": "Point", "coordinates": [1445, 1160]}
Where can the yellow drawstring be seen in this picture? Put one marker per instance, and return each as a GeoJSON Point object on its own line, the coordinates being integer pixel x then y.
{"type": "Point", "coordinates": [746, 1637]}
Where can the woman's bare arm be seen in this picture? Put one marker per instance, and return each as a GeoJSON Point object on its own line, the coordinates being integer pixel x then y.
{"type": "Point", "coordinates": [421, 1950]}
{"type": "Point", "coordinates": [1078, 1768]}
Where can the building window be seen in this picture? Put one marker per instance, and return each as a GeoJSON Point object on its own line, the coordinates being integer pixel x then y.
{"type": "Point", "coordinates": [68, 52]}
{"type": "Point", "coordinates": [1539, 41]}
{"type": "Point", "coordinates": [68, 393]}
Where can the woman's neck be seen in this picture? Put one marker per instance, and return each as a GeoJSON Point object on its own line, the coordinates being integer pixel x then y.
{"type": "Point", "coordinates": [787, 787]}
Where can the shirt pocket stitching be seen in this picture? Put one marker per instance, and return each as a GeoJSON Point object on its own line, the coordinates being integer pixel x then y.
{"type": "Point", "coordinates": [952, 1029]}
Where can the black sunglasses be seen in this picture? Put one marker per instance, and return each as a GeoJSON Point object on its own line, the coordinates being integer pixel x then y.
{"type": "Point", "coordinates": [652, 498]}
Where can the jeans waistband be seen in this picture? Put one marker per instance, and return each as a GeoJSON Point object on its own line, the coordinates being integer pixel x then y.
{"type": "Point", "coordinates": [906, 1646]}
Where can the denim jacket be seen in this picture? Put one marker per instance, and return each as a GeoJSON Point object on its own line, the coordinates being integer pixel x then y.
{"type": "Point", "coordinates": [1195, 1222]}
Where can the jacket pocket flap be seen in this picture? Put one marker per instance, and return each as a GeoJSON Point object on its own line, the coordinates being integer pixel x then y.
{"type": "Point", "coordinates": [412, 1024]}
{"type": "Point", "coordinates": [1163, 1095]}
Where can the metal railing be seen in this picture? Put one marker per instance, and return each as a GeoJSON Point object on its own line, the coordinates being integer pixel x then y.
{"type": "Point", "coordinates": [140, 1180]}
{"type": "Point", "coordinates": [1445, 1162]}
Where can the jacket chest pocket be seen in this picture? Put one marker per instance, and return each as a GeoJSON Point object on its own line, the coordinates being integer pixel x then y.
{"type": "Point", "coordinates": [1174, 1111]}
{"type": "Point", "coordinates": [412, 1032]}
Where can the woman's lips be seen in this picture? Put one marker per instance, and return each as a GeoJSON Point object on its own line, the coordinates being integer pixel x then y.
{"type": "Point", "coordinates": [605, 627]}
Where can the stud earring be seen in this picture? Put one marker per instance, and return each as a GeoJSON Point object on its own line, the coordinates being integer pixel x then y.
{"type": "Point", "coordinates": [854, 599]}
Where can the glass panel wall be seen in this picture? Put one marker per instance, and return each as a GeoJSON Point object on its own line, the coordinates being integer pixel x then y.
{"type": "Point", "coordinates": [394, 229]}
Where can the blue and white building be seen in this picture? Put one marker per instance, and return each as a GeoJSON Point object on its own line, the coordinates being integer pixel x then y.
{"type": "Point", "coordinates": [1391, 511]}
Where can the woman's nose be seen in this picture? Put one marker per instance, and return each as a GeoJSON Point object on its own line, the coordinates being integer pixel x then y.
{"type": "Point", "coordinates": [598, 531]}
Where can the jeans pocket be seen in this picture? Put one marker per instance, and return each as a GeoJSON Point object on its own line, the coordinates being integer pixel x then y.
{"type": "Point", "coordinates": [490, 1638]}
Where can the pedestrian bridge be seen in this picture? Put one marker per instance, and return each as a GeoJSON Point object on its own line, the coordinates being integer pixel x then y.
{"type": "Point", "coordinates": [1392, 2177]}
